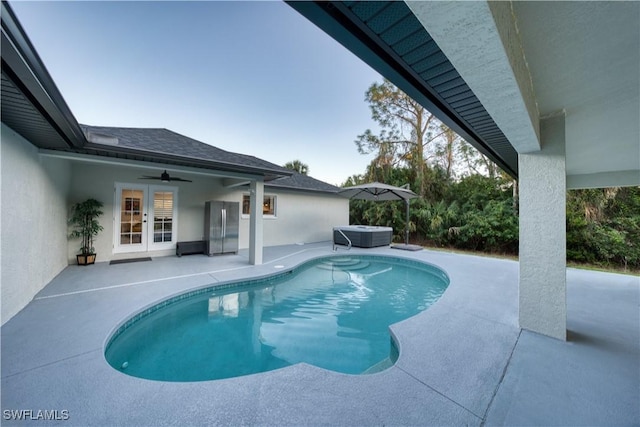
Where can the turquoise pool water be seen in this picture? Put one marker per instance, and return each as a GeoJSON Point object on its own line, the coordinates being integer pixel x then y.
{"type": "Point", "coordinates": [333, 313]}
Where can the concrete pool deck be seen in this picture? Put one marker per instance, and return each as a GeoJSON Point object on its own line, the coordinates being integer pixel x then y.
{"type": "Point", "coordinates": [464, 361]}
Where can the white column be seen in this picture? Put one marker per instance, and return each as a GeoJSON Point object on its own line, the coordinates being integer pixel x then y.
{"type": "Point", "coordinates": [543, 268]}
{"type": "Point", "coordinates": [256, 196]}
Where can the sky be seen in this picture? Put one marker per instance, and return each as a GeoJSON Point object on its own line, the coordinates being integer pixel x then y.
{"type": "Point", "coordinates": [249, 77]}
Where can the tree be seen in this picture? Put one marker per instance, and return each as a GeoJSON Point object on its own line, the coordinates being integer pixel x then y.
{"type": "Point", "coordinates": [466, 201]}
{"type": "Point", "coordinates": [478, 163]}
{"type": "Point", "coordinates": [603, 226]}
{"type": "Point", "coordinates": [298, 166]}
{"type": "Point", "coordinates": [446, 150]}
{"type": "Point", "coordinates": [354, 180]}
{"type": "Point", "coordinates": [407, 129]}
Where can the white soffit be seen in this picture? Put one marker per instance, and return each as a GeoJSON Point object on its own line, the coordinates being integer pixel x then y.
{"type": "Point", "coordinates": [482, 43]}
{"type": "Point", "coordinates": [584, 58]}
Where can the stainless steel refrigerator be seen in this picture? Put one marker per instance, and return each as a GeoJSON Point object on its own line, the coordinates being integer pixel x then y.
{"type": "Point", "coordinates": [221, 223]}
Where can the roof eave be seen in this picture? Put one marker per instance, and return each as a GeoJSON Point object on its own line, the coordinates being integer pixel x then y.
{"type": "Point", "coordinates": [334, 19]}
{"type": "Point", "coordinates": [22, 64]}
{"type": "Point", "coordinates": [153, 156]}
{"type": "Point", "coordinates": [303, 189]}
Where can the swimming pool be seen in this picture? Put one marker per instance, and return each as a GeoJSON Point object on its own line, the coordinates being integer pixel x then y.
{"type": "Point", "coordinates": [332, 312]}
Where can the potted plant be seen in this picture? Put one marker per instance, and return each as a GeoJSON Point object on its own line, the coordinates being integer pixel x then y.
{"type": "Point", "coordinates": [84, 220]}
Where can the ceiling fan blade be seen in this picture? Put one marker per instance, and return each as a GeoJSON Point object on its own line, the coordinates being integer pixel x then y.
{"type": "Point", "coordinates": [165, 177]}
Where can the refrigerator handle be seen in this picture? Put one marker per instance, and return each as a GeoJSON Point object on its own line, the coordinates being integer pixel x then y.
{"type": "Point", "coordinates": [224, 223]}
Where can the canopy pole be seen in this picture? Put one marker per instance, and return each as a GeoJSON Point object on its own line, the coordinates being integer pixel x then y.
{"type": "Point", "coordinates": [406, 233]}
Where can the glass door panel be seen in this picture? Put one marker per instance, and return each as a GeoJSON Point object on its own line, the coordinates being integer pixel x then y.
{"type": "Point", "coordinates": [162, 216]}
{"type": "Point", "coordinates": [144, 217]}
{"type": "Point", "coordinates": [132, 218]}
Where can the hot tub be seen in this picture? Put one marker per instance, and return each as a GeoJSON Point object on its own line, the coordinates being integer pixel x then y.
{"type": "Point", "coordinates": [363, 236]}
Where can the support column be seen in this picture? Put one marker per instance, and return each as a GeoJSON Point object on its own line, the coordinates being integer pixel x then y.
{"type": "Point", "coordinates": [256, 198]}
{"type": "Point", "coordinates": [543, 265]}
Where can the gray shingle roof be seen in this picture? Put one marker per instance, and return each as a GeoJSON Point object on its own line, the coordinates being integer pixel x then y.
{"type": "Point", "coordinates": [150, 143]}
{"type": "Point", "coordinates": [297, 181]}
{"type": "Point", "coordinates": [155, 142]}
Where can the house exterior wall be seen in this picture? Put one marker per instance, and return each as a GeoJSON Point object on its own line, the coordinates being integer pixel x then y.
{"type": "Point", "coordinates": [34, 221]}
{"type": "Point", "coordinates": [301, 216]}
{"type": "Point", "coordinates": [98, 181]}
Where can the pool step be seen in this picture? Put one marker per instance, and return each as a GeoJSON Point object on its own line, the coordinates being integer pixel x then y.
{"type": "Point", "coordinates": [344, 264]}
{"type": "Point", "coordinates": [380, 366]}
{"type": "Point", "coordinates": [343, 261]}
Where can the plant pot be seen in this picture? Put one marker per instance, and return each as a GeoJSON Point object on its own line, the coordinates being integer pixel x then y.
{"type": "Point", "coordinates": [86, 259]}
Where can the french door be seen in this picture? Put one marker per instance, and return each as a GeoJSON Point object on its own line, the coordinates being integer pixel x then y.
{"type": "Point", "coordinates": [145, 217]}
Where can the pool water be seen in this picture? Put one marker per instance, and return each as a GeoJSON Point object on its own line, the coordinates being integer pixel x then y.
{"type": "Point", "coordinates": [333, 313]}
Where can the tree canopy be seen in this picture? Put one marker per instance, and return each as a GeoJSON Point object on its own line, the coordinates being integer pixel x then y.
{"type": "Point", "coordinates": [407, 128]}
{"type": "Point", "coordinates": [465, 201]}
{"type": "Point", "coordinates": [298, 166]}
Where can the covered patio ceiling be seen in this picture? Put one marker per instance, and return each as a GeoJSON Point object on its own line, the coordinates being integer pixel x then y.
{"type": "Point", "coordinates": [492, 70]}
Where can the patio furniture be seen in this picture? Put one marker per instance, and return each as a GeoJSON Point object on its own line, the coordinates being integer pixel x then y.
{"type": "Point", "coordinates": [189, 248]}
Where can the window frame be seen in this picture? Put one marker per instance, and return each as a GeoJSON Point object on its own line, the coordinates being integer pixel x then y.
{"type": "Point", "coordinates": [246, 201]}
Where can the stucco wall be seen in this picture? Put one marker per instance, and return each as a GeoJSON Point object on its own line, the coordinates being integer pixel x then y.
{"type": "Point", "coordinates": [301, 217]}
{"type": "Point", "coordinates": [34, 216]}
{"type": "Point", "coordinates": [98, 181]}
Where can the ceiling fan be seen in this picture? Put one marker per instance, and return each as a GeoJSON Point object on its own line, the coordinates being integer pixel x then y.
{"type": "Point", "coordinates": [165, 177]}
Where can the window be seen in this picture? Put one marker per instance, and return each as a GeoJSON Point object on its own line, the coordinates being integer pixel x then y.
{"type": "Point", "coordinates": [268, 205]}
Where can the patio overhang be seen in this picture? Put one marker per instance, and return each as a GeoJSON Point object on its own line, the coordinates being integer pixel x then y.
{"type": "Point", "coordinates": [392, 40]}
{"type": "Point", "coordinates": [528, 61]}
{"type": "Point", "coordinates": [550, 91]}
{"type": "Point", "coordinates": [492, 70]}
{"type": "Point", "coordinates": [213, 167]}
{"type": "Point", "coordinates": [229, 178]}
{"type": "Point", "coordinates": [31, 102]}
